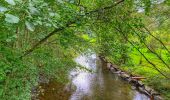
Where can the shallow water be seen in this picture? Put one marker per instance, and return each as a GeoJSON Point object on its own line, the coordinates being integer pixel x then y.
{"type": "Point", "coordinates": [101, 84]}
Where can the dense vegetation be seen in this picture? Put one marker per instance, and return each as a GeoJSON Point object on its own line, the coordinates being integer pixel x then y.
{"type": "Point", "coordinates": [43, 36]}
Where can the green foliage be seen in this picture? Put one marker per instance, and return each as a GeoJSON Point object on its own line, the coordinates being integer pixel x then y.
{"type": "Point", "coordinates": [53, 32]}
{"type": "Point", "coordinates": [11, 2]}
{"type": "Point", "coordinates": [11, 18]}
{"type": "Point", "coordinates": [24, 23]}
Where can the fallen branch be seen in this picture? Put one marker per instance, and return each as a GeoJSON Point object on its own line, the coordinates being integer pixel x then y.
{"type": "Point", "coordinates": [138, 78]}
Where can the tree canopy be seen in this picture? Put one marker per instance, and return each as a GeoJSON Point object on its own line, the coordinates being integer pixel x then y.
{"type": "Point", "coordinates": [43, 36]}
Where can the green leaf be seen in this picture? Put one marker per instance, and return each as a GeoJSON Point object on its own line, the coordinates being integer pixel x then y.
{"type": "Point", "coordinates": [33, 10]}
{"type": "Point", "coordinates": [19, 1]}
{"type": "Point", "coordinates": [29, 26]}
{"type": "Point", "coordinates": [11, 18]}
{"type": "Point", "coordinates": [3, 9]}
{"type": "Point", "coordinates": [60, 1]}
{"type": "Point", "coordinates": [52, 14]}
{"type": "Point", "coordinates": [11, 2]}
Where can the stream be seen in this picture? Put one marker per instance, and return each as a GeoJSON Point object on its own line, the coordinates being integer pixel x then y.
{"type": "Point", "coordinates": [96, 83]}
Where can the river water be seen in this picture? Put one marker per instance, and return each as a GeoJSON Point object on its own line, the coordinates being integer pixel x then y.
{"type": "Point", "coordinates": [100, 84]}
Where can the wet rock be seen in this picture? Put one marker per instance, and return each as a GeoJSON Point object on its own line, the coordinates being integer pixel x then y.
{"type": "Point", "coordinates": [148, 89]}
{"type": "Point", "coordinates": [158, 98]}
{"type": "Point", "coordinates": [109, 65]}
{"type": "Point", "coordinates": [141, 84]}
{"type": "Point", "coordinates": [112, 70]}
{"type": "Point", "coordinates": [125, 76]}
{"type": "Point", "coordinates": [142, 90]}
{"type": "Point", "coordinates": [135, 81]}
{"type": "Point", "coordinates": [117, 72]}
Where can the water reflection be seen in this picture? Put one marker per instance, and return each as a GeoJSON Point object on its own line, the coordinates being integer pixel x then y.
{"type": "Point", "coordinates": [101, 85]}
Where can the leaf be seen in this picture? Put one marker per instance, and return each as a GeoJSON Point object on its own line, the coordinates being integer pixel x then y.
{"type": "Point", "coordinates": [60, 1]}
{"type": "Point", "coordinates": [3, 9]}
{"type": "Point", "coordinates": [11, 2]}
{"type": "Point", "coordinates": [14, 36]}
{"type": "Point", "coordinates": [72, 1]}
{"type": "Point", "coordinates": [57, 16]}
{"type": "Point", "coordinates": [8, 40]}
{"type": "Point", "coordinates": [33, 10]}
{"type": "Point", "coordinates": [29, 26]}
{"type": "Point", "coordinates": [51, 14]}
{"type": "Point", "coordinates": [11, 18]}
{"type": "Point", "coordinates": [19, 1]}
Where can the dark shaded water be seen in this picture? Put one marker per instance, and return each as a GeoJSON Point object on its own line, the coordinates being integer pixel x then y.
{"type": "Point", "coordinates": [101, 84]}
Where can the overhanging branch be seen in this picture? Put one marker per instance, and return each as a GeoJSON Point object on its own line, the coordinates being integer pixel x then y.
{"type": "Point", "coordinates": [62, 28]}
{"type": "Point", "coordinates": [125, 37]}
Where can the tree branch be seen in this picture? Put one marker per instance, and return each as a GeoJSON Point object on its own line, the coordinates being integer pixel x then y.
{"type": "Point", "coordinates": [125, 37]}
{"type": "Point", "coordinates": [149, 48]}
{"type": "Point", "coordinates": [106, 8]}
{"type": "Point", "coordinates": [156, 39]}
{"type": "Point", "coordinates": [62, 28]}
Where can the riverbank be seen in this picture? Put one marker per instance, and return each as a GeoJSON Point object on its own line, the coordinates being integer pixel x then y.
{"type": "Point", "coordinates": [133, 80]}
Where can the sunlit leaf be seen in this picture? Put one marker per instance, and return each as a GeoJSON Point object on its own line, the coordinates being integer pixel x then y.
{"type": "Point", "coordinates": [29, 26]}
{"type": "Point", "coordinates": [11, 2]}
{"type": "Point", "coordinates": [60, 1]}
{"type": "Point", "coordinates": [33, 10]}
{"type": "Point", "coordinates": [8, 40]}
{"type": "Point", "coordinates": [52, 14]}
{"type": "Point", "coordinates": [3, 9]}
{"type": "Point", "coordinates": [11, 18]}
